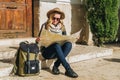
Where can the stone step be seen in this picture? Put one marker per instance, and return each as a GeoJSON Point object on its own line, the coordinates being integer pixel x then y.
{"type": "Point", "coordinates": [7, 52]}
{"type": "Point", "coordinates": [5, 69]}
{"type": "Point", "coordinates": [16, 41]}
{"type": "Point", "coordinates": [78, 53]}
{"type": "Point", "coordinates": [83, 52]}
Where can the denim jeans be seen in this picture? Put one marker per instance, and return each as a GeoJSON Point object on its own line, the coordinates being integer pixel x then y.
{"type": "Point", "coordinates": [60, 52]}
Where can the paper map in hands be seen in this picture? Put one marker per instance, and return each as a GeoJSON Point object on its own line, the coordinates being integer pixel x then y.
{"type": "Point", "coordinates": [47, 38]}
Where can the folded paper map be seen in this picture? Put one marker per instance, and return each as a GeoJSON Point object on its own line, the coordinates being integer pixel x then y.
{"type": "Point", "coordinates": [47, 38]}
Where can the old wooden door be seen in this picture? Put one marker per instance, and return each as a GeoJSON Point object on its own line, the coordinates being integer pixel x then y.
{"type": "Point", "coordinates": [15, 18]}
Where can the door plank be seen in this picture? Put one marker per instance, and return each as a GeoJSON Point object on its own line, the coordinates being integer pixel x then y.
{"type": "Point", "coordinates": [2, 19]}
{"type": "Point", "coordinates": [15, 18]}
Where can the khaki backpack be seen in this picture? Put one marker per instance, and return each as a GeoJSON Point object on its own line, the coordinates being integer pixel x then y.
{"type": "Point", "coordinates": [27, 60]}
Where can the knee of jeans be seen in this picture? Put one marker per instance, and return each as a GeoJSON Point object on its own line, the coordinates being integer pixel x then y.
{"type": "Point", "coordinates": [56, 45]}
{"type": "Point", "coordinates": [68, 44]}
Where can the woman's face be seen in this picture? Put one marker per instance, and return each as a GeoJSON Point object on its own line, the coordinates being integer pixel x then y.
{"type": "Point", "coordinates": [56, 19]}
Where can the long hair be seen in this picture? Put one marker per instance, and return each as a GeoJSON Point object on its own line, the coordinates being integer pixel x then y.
{"type": "Point", "coordinates": [49, 21]}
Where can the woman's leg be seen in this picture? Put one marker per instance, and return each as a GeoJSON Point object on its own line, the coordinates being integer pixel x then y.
{"type": "Point", "coordinates": [49, 52]}
{"type": "Point", "coordinates": [66, 48]}
{"type": "Point", "coordinates": [55, 50]}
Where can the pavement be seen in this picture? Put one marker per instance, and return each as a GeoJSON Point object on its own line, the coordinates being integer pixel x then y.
{"type": "Point", "coordinates": [90, 62]}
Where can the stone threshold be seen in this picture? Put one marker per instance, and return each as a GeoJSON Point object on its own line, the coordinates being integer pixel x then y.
{"type": "Point", "coordinates": [82, 52]}
{"type": "Point", "coordinates": [78, 53]}
{"type": "Point", "coordinates": [16, 41]}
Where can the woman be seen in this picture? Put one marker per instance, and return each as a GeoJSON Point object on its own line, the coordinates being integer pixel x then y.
{"type": "Point", "coordinates": [55, 24]}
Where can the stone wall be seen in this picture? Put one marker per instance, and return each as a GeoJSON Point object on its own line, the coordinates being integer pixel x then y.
{"type": "Point", "coordinates": [66, 8]}
{"type": "Point", "coordinates": [36, 12]}
{"type": "Point", "coordinates": [75, 21]}
{"type": "Point", "coordinates": [119, 25]}
{"type": "Point", "coordinates": [79, 24]}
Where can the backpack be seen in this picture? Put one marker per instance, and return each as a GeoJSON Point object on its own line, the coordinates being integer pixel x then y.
{"type": "Point", "coordinates": [27, 60]}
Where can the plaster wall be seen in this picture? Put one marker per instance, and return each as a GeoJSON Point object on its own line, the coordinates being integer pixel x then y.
{"type": "Point", "coordinates": [79, 24]}
{"type": "Point", "coordinates": [119, 25]}
{"type": "Point", "coordinates": [36, 19]}
{"type": "Point", "coordinates": [66, 8]}
{"type": "Point", "coordinates": [75, 21]}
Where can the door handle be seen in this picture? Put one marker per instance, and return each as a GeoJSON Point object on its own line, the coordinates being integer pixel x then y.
{"type": "Point", "coordinates": [14, 7]}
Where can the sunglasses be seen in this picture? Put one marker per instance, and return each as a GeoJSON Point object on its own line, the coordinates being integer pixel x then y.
{"type": "Point", "coordinates": [54, 18]}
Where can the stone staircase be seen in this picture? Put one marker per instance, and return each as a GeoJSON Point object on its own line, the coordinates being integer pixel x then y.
{"type": "Point", "coordinates": [8, 48]}
{"type": "Point", "coordinates": [78, 53]}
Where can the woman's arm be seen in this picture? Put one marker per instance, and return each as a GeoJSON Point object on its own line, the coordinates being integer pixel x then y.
{"type": "Point", "coordinates": [38, 38]}
{"type": "Point", "coordinates": [64, 33]}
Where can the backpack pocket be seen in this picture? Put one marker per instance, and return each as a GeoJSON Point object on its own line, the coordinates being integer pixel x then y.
{"type": "Point", "coordinates": [31, 67]}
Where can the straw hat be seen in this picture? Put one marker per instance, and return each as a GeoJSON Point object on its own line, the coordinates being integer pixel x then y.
{"type": "Point", "coordinates": [56, 10]}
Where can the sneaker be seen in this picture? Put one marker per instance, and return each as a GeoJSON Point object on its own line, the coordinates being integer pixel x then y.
{"type": "Point", "coordinates": [71, 73]}
{"type": "Point", "coordinates": [55, 70]}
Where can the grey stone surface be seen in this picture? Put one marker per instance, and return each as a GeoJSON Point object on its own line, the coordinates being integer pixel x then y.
{"type": "Point", "coordinates": [83, 52]}
{"type": "Point", "coordinates": [7, 53]}
{"type": "Point", "coordinates": [5, 68]}
{"type": "Point", "coordinates": [103, 68]}
{"type": "Point", "coordinates": [78, 53]}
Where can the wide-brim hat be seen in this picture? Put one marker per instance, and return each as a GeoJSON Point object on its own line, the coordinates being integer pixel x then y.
{"type": "Point", "coordinates": [56, 10]}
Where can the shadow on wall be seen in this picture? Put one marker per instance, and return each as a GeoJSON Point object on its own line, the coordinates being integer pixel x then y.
{"type": "Point", "coordinates": [36, 12]}
{"type": "Point", "coordinates": [119, 25]}
{"type": "Point", "coordinates": [79, 24]}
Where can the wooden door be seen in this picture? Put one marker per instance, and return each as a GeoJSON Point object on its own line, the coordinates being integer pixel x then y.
{"type": "Point", "coordinates": [15, 18]}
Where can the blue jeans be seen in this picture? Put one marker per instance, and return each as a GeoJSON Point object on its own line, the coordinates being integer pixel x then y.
{"type": "Point", "coordinates": [59, 52]}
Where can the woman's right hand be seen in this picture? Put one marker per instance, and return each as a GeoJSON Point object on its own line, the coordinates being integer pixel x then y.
{"type": "Point", "coordinates": [37, 39]}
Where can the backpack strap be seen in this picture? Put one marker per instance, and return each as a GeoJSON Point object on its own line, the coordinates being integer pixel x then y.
{"type": "Point", "coordinates": [28, 55]}
{"type": "Point", "coordinates": [41, 29]}
{"type": "Point", "coordinates": [16, 62]}
{"type": "Point", "coordinates": [28, 60]}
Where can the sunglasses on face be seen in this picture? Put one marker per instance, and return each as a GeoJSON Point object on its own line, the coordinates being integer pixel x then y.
{"type": "Point", "coordinates": [54, 18]}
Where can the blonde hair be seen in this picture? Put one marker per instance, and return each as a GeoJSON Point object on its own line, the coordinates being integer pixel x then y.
{"type": "Point", "coordinates": [49, 21]}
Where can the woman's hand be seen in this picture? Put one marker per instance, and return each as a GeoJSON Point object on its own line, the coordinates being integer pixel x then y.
{"type": "Point", "coordinates": [37, 39]}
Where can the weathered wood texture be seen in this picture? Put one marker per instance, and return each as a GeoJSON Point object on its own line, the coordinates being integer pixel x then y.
{"type": "Point", "coordinates": [15, 18]}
